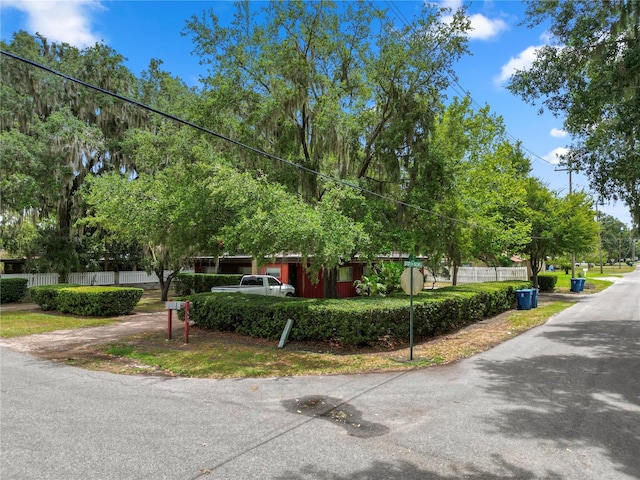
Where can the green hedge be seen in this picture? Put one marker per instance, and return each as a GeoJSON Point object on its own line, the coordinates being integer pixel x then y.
{"type": "Point", "coordinates": [357, 321]}
{"type": "Point", "coordinates": [12, 289]}
{"type": "Point", "coordinates": [190, 283]}
{"type": "Point", "coordinates": [46, 296]}
{"type": "Point", "coordinates": [98, 301]}
{"type": "Point", "coordinates": [87, 301]}
{"type": "Point", "coordinates": [547, 283]}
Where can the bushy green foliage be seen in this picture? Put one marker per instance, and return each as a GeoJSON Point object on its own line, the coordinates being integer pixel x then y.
{"type": "Point", "coordinates": [384, 279]}
{"type": "Point", "coordinates": [93, 301]}
{"type": "Point", "coordinates": [254, 315]}
{"type": "Point", "coordinates": [98, 301]}
{"type": "Point", "coordinates": [12, 289]}
{"type": "Point", "coordinates": [357, 321]}
{"type": "Point", "coordinates": [46, 296]}
{"type": "Point", "coordinates": [547, 283]}
{"type": "Point", "coordinates": [190, 283]}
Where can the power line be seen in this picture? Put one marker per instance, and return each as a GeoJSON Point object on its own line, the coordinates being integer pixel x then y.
{"type": "Point", "coordinates": [232, 141]}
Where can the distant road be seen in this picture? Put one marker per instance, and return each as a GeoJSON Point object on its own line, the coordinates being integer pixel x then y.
{"type": "Point", "coordinates": [561, 401]}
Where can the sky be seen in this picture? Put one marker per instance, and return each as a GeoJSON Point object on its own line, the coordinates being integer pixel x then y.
{"type": "Point", "coordinates": [142, 30]}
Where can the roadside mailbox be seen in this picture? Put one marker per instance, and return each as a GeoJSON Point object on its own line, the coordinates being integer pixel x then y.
{"type": "Point", "coordinates": [171, 306]}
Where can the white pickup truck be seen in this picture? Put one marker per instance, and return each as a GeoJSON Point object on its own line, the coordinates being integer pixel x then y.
{"type": "Point", "coordinates": [259, 285]}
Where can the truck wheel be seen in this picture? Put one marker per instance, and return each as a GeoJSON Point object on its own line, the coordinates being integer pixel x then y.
{"type": "Point", "coordinates": [289, 294]}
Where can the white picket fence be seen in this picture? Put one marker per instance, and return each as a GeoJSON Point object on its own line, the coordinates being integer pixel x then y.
{"type": "Point", "coordinates": [465, 275]}
{"type": "Point", "coordinates": [485, 274]}
{"type": "Point", "coordinates": [88, 278]}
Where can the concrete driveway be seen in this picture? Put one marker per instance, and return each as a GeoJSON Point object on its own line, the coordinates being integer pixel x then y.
{"type": "Point", "coordinates": [558, 402]}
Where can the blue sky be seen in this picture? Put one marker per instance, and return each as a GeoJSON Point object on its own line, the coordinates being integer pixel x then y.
{"type": "Point", "coordinates": [142, 30]}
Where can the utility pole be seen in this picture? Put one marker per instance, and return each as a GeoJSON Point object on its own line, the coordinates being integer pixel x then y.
{"type": "Point", "coordinates": [599, 236]}
{"type": "Point", "coordinates": [573, 256]}
{"type": "Point", "coordinates": [620, 248]}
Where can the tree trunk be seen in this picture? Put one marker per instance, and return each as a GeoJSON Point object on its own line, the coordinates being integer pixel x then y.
{"type": "Point", "coordinates": [165, 284]}
{"type": "Point", "coordinates": [535, 269]}
{"type": "Point", "coordinates": [331, 282]}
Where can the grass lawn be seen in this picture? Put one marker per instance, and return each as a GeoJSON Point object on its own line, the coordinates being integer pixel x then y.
{"type": "Point", "coordinates": [16, 323]}
{"type": "Point", "coordinates": [149, 303]}
{"type": "Point", "coordinates": [593, 283]}
{"type": "Point", "coordinates": [212, 354]}
{"type": "Point", "coordinates": [609, 270]}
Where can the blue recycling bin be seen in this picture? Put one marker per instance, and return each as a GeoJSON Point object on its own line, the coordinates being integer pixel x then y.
{"type": "Point", "coordinates": [582, 282]}
{"type": "Point", "coordinates": [524, 298]}
{"type": "Point", "coordinates": [534, 298]}
{"type": "Point", "coordinates": [575, 284]}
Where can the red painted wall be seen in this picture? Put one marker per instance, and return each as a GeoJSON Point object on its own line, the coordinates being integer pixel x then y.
{"type": "Point", "coordinates": [284, 271]}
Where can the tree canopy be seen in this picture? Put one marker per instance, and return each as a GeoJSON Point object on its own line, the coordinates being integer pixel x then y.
{"type": "Point", "coordinates": [363, 153]}
{"type": "Point", "coordinates": [559, 226]}
{"type": "Point", "coordinates": [590, 75]}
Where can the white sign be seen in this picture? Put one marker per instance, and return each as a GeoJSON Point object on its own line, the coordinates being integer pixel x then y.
{"type": "Point", "coordinates": [174, 305]}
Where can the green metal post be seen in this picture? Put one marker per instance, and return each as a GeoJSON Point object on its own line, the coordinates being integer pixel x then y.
{"type": "Point", "coordinates": [411, 318]}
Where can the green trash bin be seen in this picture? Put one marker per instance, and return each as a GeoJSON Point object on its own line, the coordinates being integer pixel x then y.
{"type": "Point", "coordinates": [524, 298]}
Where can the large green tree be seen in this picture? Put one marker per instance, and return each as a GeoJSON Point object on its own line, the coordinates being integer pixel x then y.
{"type": "Point", "coordinates": [615, 237]}
{"type": "Point", "coordinates": [336, 88]}
{"type": "Point", "coordinates": [186, 210]}
{"type": "Point", "coordinates": [590, 75]}
{"type": "Point", "coordinates": [67, 131]}
{"type": "Point", "coordinates": [482, 207]}
{"type": "Point", "coordinates": [559, 226]}
{"type": "Point", "coordinates": [55, 134]}
{"type": "Point", "coordinates": [171, 214]}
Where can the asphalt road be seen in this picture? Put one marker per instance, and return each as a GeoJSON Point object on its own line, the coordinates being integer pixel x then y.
{"type": "Point", "coordinates": [558, 402]}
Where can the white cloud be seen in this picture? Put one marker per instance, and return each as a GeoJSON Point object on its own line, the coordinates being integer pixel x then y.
{"type": "Point", "coordinates": [59, 21]}
{"type": "Point", "coordinates": [557, 133]}
{"type": "Point", "coordinates": [554, 155]}
{"type": "Point", "coordinates": [523, 61]}
{"type": "Point", "coordinates": [482, 27]}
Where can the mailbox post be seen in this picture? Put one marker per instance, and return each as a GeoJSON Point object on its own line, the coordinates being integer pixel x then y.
{"type": "Point", "coordinates": [171, 306]}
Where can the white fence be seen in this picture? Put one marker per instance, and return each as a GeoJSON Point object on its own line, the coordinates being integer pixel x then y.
{"type": "Point", "coordinates": [465, 275]}
{"type": "Point", "coordinates": [485, 274]}
{"type": "Point", "coordinates": [88, 278]}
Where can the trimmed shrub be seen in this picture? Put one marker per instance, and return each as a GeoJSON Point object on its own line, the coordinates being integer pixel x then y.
{"type": "Point", "coordinates": [12, 289]}
{"type": "Point", "coordinates": [356, 321]}
{"type": "Point", "coordinates": [547, 283]}
{"type": "Point", "coordinates": [98, 301]}
{"type": "Point", "coordinates": [46, 296]}
{"type": "Point", "coordinates": [190, 283]}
